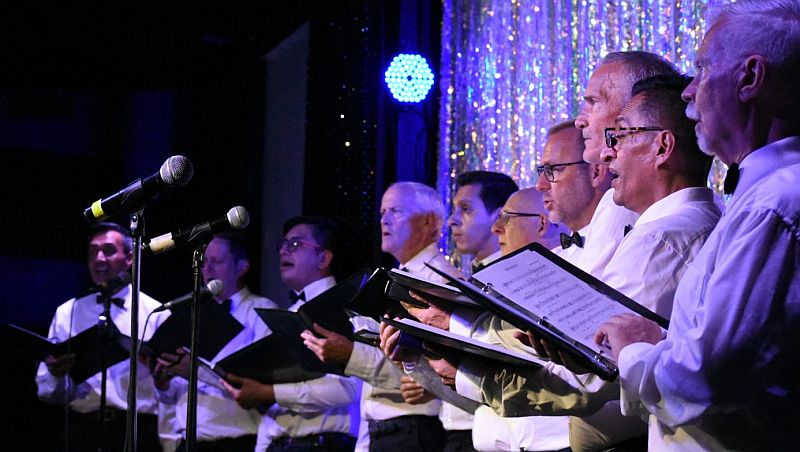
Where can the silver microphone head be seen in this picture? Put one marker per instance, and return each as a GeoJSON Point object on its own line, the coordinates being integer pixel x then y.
{"type": "Point", "coordinates": [215, 287]}
{"type": "Point", "coordinates": [177, 171]}
{"type": "Point", "coordinates": [238, 217]}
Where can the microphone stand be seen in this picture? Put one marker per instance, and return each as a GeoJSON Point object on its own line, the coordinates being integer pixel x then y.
{"type": "Point", "coordinates": [137, 231]}
{"type": "Point", "coordinates": [105, 338]}
{"type": "Point", "coordinates": [191, 405]}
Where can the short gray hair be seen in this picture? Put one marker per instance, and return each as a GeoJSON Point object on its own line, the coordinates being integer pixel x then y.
{"type": "Point", "coordinates": [426, 200]}
{"type": "Point", "coordinates": [639, 65]}
{"type": "Point", "coordinates": [778, 36]}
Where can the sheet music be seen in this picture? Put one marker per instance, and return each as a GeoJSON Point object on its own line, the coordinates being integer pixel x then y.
{"type": "Point", "coordinates": [549, 292]}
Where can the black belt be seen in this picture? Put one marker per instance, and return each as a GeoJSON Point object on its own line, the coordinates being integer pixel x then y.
{"type": "Point", "coordinates": [327, 440]}
{"type": "Point", "coordinates": [389, 426]}
{"type": "Point", "coordinates": [245, 442]}
{"type": "Point", "coordinates": [109, 415]}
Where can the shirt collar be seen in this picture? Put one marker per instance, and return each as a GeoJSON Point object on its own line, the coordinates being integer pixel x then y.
{"type": "Point", "coordinates": [490, 258]}
{"type": "Point", "coordinates": [239, 297]}
{"type": "Point", "coordinates": [125, 294]}
{"type": "Point", "coordinates": [673, 202]}
{"type": "Point", "coordinates": [417, 263]}
{"type": "Point", "coordinates": [315, 288]}
{"type": "Point", "coordinates": [763, 161]}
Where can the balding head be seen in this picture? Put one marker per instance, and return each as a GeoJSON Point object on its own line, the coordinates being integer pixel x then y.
{"type": "Point", "coordinates": [524, 220]}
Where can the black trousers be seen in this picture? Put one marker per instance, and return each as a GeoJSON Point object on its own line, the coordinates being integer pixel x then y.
{"type": "Point", "coordinates": [84, 432]}
{"type": "Point", "coordinates": [322, 442]}
{"type": "Point", "coordinates": [459, 441]}
{"type": "Point", "coordinates": [406, 434]}
{"type": "Point", "coordinates": [245, 443]}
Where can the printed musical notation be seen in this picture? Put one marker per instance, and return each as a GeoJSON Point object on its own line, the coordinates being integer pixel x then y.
{"type": "Point", "coordinates": [553, 294]}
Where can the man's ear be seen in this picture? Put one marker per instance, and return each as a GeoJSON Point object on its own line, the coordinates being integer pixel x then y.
{"type": "Point", "coordinates": [751, 79]}
{"type": "Point", "coordinates": [242, 267]}
{"type": "Point", "coordinates": [544, 224]}
{"type": "Point", "coordinates": [326, 257]}
{"type": "Point", "coordinates": [666, 146]}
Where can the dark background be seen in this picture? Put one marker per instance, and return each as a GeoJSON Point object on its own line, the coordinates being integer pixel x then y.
{"type": "Point", "coordinates": [94, 94]}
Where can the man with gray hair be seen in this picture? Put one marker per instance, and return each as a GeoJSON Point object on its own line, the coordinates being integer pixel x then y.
{"type": "Point", "coordinates": [608, 90]}
{"type": "Point", "coordinates": [412, 217]}
{"type": "Point", "coordinates": [727, 374]}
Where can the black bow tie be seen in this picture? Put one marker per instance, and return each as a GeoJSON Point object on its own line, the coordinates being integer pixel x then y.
{"type": "Point", "coordinates": [569, 240]}
{"type": "Point", "coordinates": [477, 266]}
{"type": "Point", "coordinates": [731, 179]}
{"type": "Point", "coordinates": [628, 228]}
{"type": "Point", "coordinates": [294, 296]}
{"type": "Point", "coordinates": [119, 302]}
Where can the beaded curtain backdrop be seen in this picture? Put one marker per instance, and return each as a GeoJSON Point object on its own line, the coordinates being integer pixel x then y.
{"type": "Point", "coordinates": [512, 68]}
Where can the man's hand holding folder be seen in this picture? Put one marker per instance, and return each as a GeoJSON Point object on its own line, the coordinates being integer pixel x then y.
{"type": "Point", "coordinates": [61, 365]}
{"type": "Point", "coordinates": [329, 346]}
{"type": "Point", "coordinates": [248, 393]}
{"type": "Point", "coordinates": [432, 314]}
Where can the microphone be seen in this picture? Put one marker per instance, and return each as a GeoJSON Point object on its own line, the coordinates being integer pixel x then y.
{"type": "Point", "coordinates": [176, 171]}
{"type": "Point", "coordinates": [236, 218]}
{"type": "Point", "coordinates": [214, 287]}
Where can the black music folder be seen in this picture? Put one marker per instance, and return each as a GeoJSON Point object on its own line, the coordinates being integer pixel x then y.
{"type": "Point", "coordinates": [287, 326]}
{"type": "Point", "coordinates": [534, 289]}
{"type": "Point", "coordinates": [328, 308]}
{"type": "Point", "coordinates": [459, 343]}
{"type": "Point", "coordinates": [282, 357]}
{"type": "Point", "coordinates": [217, 328]}
{"type": "Point", "coordinates": [446, 296]}
{"type": "Point", "coordinates": [267, 360]}
{"type": "Point", "coordinates": [385, 289]}
{"type": "Point", "coordinates": [88, 347]}
{"type": "Point", "coordinates": [371, 300]}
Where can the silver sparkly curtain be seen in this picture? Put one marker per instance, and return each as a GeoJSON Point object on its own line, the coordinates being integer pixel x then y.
{"type": "Point", "coordinates": [512, 68]}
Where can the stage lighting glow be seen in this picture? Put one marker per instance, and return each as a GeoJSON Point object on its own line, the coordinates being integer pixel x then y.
{"type": "Point", "coordinates": [409, 78]}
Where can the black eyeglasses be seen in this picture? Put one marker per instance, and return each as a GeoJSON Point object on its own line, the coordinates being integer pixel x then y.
{"type": "Point", "coordinates": [293, 244]}
{"type": "Point", "coordinates": [615, 134]}
{"type": "Point", "coordinates": [505, 216]}
{"type": "Point", "coordinates": [551, 169]}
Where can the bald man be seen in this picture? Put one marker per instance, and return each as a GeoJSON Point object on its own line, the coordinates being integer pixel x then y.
{"type": "Point", "coordinates": [524, 220]}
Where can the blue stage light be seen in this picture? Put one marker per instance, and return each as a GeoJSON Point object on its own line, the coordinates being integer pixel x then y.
{"type": "Point", "coordinates": [409, 78]}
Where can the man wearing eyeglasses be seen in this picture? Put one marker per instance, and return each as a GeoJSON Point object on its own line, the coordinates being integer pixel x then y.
{"type": "Point", "coordinates": [524, 220]}
{"type": "Point", "coordinates": [412, 216]}
{"type": "Point", "coordinates": [311, 414]}
{"type": "Point", "coordinates": [727, 374]}
{"type": "Point", "coordinates": [608, 90]}
{"type": "Point", "coordinates": [221, 423]}
{"type": "Point", "coordinates": [571, 188]}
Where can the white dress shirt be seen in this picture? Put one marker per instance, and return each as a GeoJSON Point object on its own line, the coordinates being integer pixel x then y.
{"type": "Point", "coordinates": [647, 267]}
{"type": "Point", "coordinates": [381, 398]}
{"type": "Point", "coordinates": [727, 376]}
{"type": "Point", "coordinates": [84, 397]}
{"type": "Point", "coordinates": [606, 231]}
{"type": "Point", "coordinates": [218, 415]}
{"type": "Point", "coordinates": [313, 406]}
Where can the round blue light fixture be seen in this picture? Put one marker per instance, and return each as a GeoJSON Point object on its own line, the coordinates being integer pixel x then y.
{"type": "Point", "coordinates": [409, 78]}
